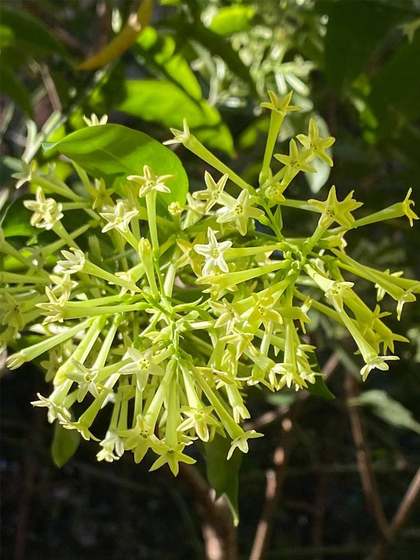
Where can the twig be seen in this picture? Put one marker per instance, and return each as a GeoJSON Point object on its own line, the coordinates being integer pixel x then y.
{"type": "Point", "coordinates": [401, 515]}
{"type": "Point", "coordinates": [219, 533]}
{"type": "Point", "coordinates": [366, 472]}
{"type": "Point", "coordinates": [50, 88]}
{"type": "Point", "coordinates": [274, 482]}
{"type": "Point", "coordinates": [276, 476]}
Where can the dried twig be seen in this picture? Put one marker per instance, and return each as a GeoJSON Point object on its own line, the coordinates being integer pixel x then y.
{"type": "Point", "coordinates": [276, 476]}
{"type": "Point", "coordinates": [409, 500]}
{"type": "Point", "coordinates": [366, 472]}
{"type": "Point", "coordinates": [218, 530]}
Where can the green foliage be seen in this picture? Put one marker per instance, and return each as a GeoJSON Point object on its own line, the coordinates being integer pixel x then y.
{"type": "Point", "coordinates": [64, 445]}
{"type": "Point", "coordinates": [387, 409]}
{"type": "Point", "coordinates": [354, 30]}
{"type": "Point", "coordinates": [223, 475]}
{"type": "Point", "coordinates": [112, 151]}
{"type": "Point", "coordinates": [165, 102]}
{"type": "Point", "coordinates": [27, 34]}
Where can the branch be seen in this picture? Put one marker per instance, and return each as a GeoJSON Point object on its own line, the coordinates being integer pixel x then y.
{"type": "Point", "coordinates": [366, 472]}
{"type": "Point", "coordinates": [401, 515]}
{"type": "Point", "coordinates": [219, 533]}
{"type": "Point", "coordinates": [275, 477]}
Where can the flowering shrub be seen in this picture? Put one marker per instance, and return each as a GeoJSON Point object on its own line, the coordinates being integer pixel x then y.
{"type": "Point", "coordinates": [158, 312]}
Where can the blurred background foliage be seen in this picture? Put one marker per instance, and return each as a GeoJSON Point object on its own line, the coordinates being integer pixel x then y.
{"type": "Point", "coordinates": [355, 64]}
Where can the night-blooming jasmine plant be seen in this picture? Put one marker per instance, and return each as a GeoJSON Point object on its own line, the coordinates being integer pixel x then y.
{"type": "Point", "coordinates": [153, 315]}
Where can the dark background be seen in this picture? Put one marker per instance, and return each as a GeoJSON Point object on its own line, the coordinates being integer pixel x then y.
{"type": "Point", "coordinates": [356, 65]}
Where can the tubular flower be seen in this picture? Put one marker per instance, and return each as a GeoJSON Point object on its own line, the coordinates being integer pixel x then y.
{"type": "Point", "coordinates": [151, 325]}
{"type": "Point", "coordinates": [213, 253]}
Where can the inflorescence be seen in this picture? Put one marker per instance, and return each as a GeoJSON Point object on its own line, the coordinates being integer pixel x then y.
{"type": "Point", "coordinates": [156, 323]}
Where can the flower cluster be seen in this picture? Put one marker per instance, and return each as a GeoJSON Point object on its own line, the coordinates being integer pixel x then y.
{"type": "Point", "coordinates": [157, 323]}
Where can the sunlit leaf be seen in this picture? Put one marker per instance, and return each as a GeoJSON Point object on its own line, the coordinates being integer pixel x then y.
{"type": "Point", "coordinates": [113, 151]}
{"type": "Point", "coordinates": [160, 54]}
{"type": "Point", "coordinates": [232, 19]}
{"type": "Point", "coordinates": [166, 103]}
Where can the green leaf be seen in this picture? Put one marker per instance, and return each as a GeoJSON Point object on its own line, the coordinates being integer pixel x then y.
{"type": "Point", "coordinates": [15, 221]}
{"type": "Point", "coordinates": [232, 19]}
{"type": "Point", "coordinates": [27, 33]}
{"type": "Point", "coordinates": [159, 52]}
{"type": "Point", "coordinates": [64, 445]}
{"type": "Point", "coordinates": [354, 30]}
{"type": "Point", "coordinates": [112, 151]}
{"type": "Point", "coordinates": [164, 102]}
{"type": "Point", "coordinates": [280, 398]}
{"type": "Point", "coordinates": [389, 410]}
{"type": "Point", "coordinates": [395, 88]}
{"type": "Point", "coordinates": [14, 88]}
{"type": "Point", "coordinates": [217, 46]}
{"type": "Point", "coordinates": [223, 475]}
{"type": "Point", "coordinates": [320, 389]}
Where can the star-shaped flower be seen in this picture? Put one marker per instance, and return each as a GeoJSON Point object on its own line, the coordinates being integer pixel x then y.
{"type": "Point", "coordinates": [241, 442]}
{"type": "Point", "coordinates": [138, 439]}
{"type": "Point", "coordinates": [112, 448]}
{"type": "Point", "coordinates": [46, 211]}
{"type": "Point", "coordinates": [55, 306]}
{"type": "Point", "coordinates": [212, 195]}
{"type": "Point", "coordinates": [213, 253]}
{"type": "Point", "coordinates": [24, 176]}
{"type": "Point", "coordinates": [280, 105]}
{"type": "Point", "coordinates": [335, 211]}
{"type": "Point", "coordinates": [74, 261]}
{"type": "Point", "coordinates": [296, 161]}
{"type": "Point", "coordinates": [315, 144]}
{"type": "Point", "coordinates": [141, 365]}
{"type": "Point", "coordinates": [172, 455]}
{"type": "Point", "coordinates": [119, 216]}
{"type": "Point", "coordinates": [239, 211]}
{"type": "Point", "coordinates": [180, 136]}
{"type": "Point", "coordinates": [376, 362]}
{"type": "Point", "coordinates": [94, 120]}
{"type": "Point", "coordinates": [407, 203]}
{"type": "Point", "coordinates": [149, 182]}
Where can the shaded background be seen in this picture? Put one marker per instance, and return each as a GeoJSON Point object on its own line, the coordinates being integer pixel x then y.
{"type": "Point", "coordinates": [353, 64]}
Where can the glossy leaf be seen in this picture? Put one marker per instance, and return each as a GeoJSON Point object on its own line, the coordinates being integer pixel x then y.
{"type": "Point", "coordinates": [223, 475]}
{"type": "Point", "coordinates": [166, 103]}
{"type": "Point", "coordinates": [64, 445]}
{"type": "Point", "coordinates": [389, 410]}
{"type": "Point", "coordinates": [232, 19]}
{"type": "Point", "coordinates": [15, 221]}
{"type": "Point", "coordinates": [160, 54]}
{"type": "Point", "coordinates": [113, 151]}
